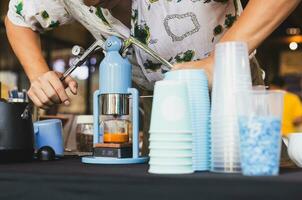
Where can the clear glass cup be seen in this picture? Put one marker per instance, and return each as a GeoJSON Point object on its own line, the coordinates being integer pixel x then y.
{"type": "Point", "coordinates": [84, 133]}
{"type": "Point", "coordinates": [116, 130]}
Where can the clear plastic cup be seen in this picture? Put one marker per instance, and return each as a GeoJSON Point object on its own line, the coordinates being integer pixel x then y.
{"type": "Point", "coordinates": [225, 155]}
{"type": "Point", "coordinates": [216, 144]}
{"type": "Point", "coordinates": [232, 65]}
{"type": "Point", "coordinates": [228, 157]}
{"type": "Point", "coordinates": [216, 117]}
{"type": "Point", "coordinates": [260, 115]}
{"type": "Point", "coordinates": [228, 162]}
{"type": "Point", "coordinates": [220, 147]}
{"type": "Point", "coordinates": [225, 142]}
{"type": "Point", "coordinates": [170, 109]}
{"type": "Point", "coordinates": [224, 128]}
{"type": "Point", "coordinates": [224, 138]}
{"type": "Point", "coordinates": [231, 73]}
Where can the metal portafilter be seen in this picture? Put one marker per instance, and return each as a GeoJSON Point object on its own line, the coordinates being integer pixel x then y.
{"type": "Point", "coordinates": [115, 104]}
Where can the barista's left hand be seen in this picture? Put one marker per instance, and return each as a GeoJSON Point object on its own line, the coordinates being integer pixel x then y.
{"type": "Point", "coordinates": [206, 64]}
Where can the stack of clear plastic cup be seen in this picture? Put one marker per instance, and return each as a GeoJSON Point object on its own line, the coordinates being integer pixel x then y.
{"type": "Point", "coordinates": [199, 101]}
{"type": "Point", "coordinates": [170, 130]}
{"type": "Point", "coordinates": [231, 74]}
{"type": "Point", "coordinates": [260, 114]}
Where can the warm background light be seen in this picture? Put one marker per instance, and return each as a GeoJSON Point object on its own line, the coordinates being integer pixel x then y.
{"type": "Point", "coordinates": [293, 46]}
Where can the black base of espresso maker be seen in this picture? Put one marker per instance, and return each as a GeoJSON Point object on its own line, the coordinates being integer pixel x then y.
{"type": "Point", "coordinates": [113, 150]}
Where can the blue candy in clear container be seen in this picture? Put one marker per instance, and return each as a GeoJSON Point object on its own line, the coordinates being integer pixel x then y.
{"type": "Point", "coordinates": [260, 143]}
{"type": "Point", "coordinates": [259, 116]}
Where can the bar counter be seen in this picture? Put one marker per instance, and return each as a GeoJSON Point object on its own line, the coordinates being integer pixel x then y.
{"type": "Point", "coordinates": [68, 178]}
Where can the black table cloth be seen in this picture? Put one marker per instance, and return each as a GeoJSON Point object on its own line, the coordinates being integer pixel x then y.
{"type": "Point", "coordinates": [68, 179]}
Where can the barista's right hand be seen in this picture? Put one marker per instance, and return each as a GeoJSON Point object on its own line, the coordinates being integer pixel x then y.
{"type": "Point", "coordinates": [48, 89]}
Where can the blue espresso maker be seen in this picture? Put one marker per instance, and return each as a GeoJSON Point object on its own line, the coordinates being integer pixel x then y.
{"type": "Point", "coordinates": [113, 97]}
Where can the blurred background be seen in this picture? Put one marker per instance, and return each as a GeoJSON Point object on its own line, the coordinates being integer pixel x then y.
{"type": "Point", "coordinates": [280, 54]}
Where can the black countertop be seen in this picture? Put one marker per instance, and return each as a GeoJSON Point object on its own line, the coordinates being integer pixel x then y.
{"type": "Point", "coordinates": [68, 178]}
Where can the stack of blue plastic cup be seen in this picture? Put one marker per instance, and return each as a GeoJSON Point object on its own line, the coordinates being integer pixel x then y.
{"type": "Point", "coordinates": [170, 130]}
{"type": "Point", "coordinates": [198, 94]}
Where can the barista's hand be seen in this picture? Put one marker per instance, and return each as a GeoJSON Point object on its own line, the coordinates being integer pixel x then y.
{"type": "Point", "coordinates": [206, 64]}
{"type": "Point", "coordinates": [47, 89]}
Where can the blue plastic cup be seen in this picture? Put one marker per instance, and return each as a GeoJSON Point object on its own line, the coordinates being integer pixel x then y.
{"type": "Point", "coordinates": [170, 137]}
{"type": "Point", "coordinates": [176, 161]}
{"type": "Point", "coordinates": [170, 109]}
{"type": "Point", "coordinates": [49, 133]}
{"type": "Point", "coordinates": [198, 94]}
{"type": "Point", "coordinates": [172, 153]}
{"type": "Point", "coordinates": [186, 74]}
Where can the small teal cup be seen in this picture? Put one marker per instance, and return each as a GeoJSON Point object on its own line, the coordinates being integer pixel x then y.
{"type": "Point", "coordinates": [170, 109]}
{"type": "Point", "coordinates": [49, 133]}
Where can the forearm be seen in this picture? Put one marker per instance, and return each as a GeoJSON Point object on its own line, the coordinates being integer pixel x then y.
{"type": "Point", "coordinates": [121, 10]}
{"type": "Point", "coordinates": [258, 20]}
{"type": "Point", "coordinates": [27, 47]}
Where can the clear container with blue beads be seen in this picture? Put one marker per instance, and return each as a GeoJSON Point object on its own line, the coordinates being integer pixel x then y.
{"type": "Point", "coordinates": [260, 115]}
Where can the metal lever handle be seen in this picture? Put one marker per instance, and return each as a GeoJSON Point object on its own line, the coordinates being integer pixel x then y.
{"type": "Point", "coordinates": [82, 56]}
{"type": "Point", "coordinates": [131, 40]}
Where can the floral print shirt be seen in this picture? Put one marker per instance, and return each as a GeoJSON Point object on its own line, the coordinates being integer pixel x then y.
{"type": "Point", "coordinates": [179, 30]}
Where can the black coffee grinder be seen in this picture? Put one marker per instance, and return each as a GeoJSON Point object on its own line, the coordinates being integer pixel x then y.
{"type": "Point", "coordinates": [16, 132]}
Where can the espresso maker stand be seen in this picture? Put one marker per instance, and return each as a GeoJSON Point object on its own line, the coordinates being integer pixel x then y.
{"type": "Point", "coordinates": [115, 98]}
